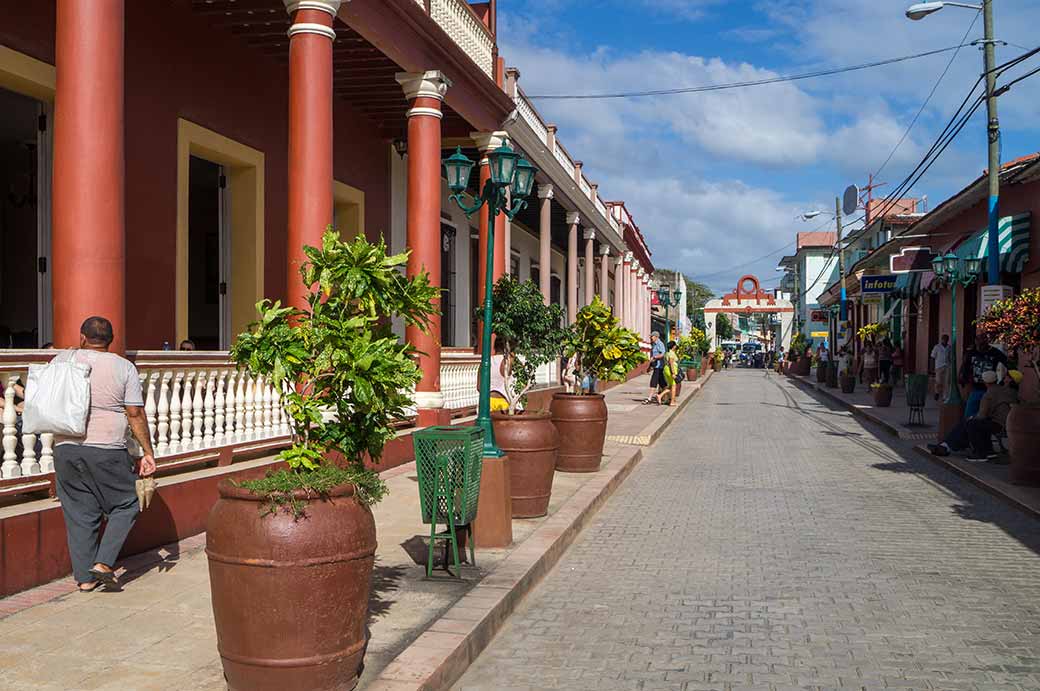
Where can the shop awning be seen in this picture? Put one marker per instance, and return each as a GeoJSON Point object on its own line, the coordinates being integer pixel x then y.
{"type": "Point", "coordinates": [1014, 244]}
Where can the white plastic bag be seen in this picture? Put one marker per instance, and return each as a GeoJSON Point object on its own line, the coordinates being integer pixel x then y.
{"type": "Point", "coordinates": [57, 398]}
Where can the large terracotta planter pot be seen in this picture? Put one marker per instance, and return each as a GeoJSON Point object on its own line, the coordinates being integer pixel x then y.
{"type": "Point", "coordinates": [692, 374]}
{"type": "Point", "coordinates": [531, 442]}
{"type": "Point", "coordinates": [290, 596]}
{"type": "Point", "coordinates": [848, 383]}
{"type": "Point", "coordinates": [882, 396]}
{"type": "Point", "coordinates": [582, 423]}
{"type": "Point", "coordinates": [1023, 428]}
{"type": "Point", "coordinates": [821, 372]}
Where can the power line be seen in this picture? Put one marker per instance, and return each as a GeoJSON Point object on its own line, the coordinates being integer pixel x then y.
{"type": "Point", "coordinates": [741, 266]}
{"type": "Point", "coordinates": [935, 88]}
{"type": "Point", "coordinates": [755, 82]}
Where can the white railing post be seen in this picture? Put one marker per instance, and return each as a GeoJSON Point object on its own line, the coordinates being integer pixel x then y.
{"type": "Point", "coordinates": [250, 407]}
{"type": "Point", "coordinates": [10, 467]}
{"type": "Point", "coordinates": [231, 428]}
{"type": "Point", "coordinates": [46, 452]}
{"type": "Point", "coordinates": [186, 416]}
{"type": "Point", "coordinates": [197, 414]}
{"type": "Point", "coordinates": [148, 381]}
{"type": "Point", "coordinates": [208, 403]}
{"type": "Point", "coordinates": [240, 406]}
{"type": "Point", "coordinates": [218, 409]}
{"type": "Point", "coordinates": [175, 412]}
{"type": "Point", "coordinates": [162, 431]}
{"type": "Point", "coordinates": [29, 464]}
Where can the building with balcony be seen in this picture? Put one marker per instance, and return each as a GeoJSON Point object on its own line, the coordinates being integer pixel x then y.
{"type": "Point", "coordinates": [164, 163]}
{"type": "Point", "coordinates": [807, 273]}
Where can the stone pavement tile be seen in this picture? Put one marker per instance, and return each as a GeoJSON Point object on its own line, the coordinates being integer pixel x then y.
{"type": "Point", "coordinates": [773, 534]}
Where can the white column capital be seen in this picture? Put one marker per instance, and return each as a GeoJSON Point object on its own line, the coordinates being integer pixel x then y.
{"type": "Point", "coordinates": [628, 258]}
{"type": "Point", "coordinates": [620, 262]}
{"type": "Point", "coordinates": [573, 218]}
{"type": "Point", "coordinates": [428, 399]}
{"type": "Point", "coordinates": [488, 141]}
{"type": "Point", "coordinates": [604, 250]}
{"type": "Point", "coordinates": [330, 6]}
{"type": "Point", "coordinates": [429, 84]}
{"type": "Point", "coordinates": [590, 234]}
{"type": "Point", "coordinates": [545, 191]}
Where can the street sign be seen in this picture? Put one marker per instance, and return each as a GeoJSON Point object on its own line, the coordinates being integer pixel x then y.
{"type": "Point", "coordinates": [877, 284]}
{"type": "Point", "coordinates": [819, 316]}
{"type": "Point", "coordinates": [873, 298]}
{"type": "Point", "coordinates": [819, 334]}
{"type": "Point", "coordinates": [911, 259]}
{"type": "Point", "coordinates": [991, 295]}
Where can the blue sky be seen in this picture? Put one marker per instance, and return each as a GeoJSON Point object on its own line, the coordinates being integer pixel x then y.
{"type": "Point", "coordinates": [717, 179]}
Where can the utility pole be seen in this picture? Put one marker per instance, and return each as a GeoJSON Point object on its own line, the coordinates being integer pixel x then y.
{"type": "Point", "coordinates": [988, 50]}
{"type": "Point", "coordinates": [843, 314]}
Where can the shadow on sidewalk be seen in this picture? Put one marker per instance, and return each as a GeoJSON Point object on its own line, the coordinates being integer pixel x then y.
{"type": "Point", "coordinates": [972, 502]}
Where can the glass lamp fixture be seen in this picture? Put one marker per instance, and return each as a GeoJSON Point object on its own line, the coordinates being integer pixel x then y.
{"type": "Point", "coordinates": [502, 162]}
{"type": "Point", "coordinates": [972, 267]}
{"type": "Point", "coordinates": [938, 266]}
{"type": "Point", "coordinates": [457, 168]}
{"type": "Point", "coordinates": [950, 262]}
{"type": "Point", "coordinates": [523, 179]}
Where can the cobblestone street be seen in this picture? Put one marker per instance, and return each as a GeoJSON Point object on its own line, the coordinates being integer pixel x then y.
{"type": "Point", "coordinates": [770, 541]}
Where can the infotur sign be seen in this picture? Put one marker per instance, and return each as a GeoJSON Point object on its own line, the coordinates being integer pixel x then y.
{"type": "Point", "coordinates": [877, 284]}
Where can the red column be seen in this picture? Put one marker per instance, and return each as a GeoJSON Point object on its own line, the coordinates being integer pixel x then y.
{"type": "Point", "coordinates": [604, 274]}
{"type": "Point", "coordinates": [310, 132]}
{"type": "Point", "coordinates": [545, 195]}
{"type": "Point", "coordinates": [425, 91]}
{"type": "Point", "coordinates": [488, 141]}
{"type": "Point", "coordinates": [590, 266]}
{"type": "Point", "coordinates": [573, 219]}
{"type": "Point", "coordinates": [89, 230]}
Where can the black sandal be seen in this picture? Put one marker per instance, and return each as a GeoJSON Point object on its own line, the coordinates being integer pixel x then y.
{"type": "Point", "coordinates": [107, 578]}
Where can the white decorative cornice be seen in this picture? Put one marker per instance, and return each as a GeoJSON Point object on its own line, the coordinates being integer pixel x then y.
{"type": "Point", "coordinates": [311, 28]}
{"type": "Point", "coordinates": [330, 6]}
{"type": "Point", "coordinates": [604, 250]}
{"type": "Point", "coordinates": [628, 258]}
{"type": "Point", "coordinates": [429, 112]}
{"type": "Point", "coordinates": [545, 191]}
{"type": "Point", "coordinates": [429, 84]}
{"type": "Point", "coordinates": [488, 141]}
{"type": "Point", "coordinates": [590, 233]}
{"type": "Point", "coordinates": [573, 218]}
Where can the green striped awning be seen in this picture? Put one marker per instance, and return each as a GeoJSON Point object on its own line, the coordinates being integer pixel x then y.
{"type": "Point", "coordinates": [1014, 244]}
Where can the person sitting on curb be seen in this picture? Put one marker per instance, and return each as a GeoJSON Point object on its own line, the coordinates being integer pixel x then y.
{"type": "Point", "coordinates": [977, 432]}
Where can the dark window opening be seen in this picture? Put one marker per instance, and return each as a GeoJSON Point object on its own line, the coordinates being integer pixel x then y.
{"type": "Point", "coordinates": [204, 254]}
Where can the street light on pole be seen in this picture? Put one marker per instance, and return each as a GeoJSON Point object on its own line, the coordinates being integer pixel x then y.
{"type": "Point", "coordinates": [922, 10]}
{"type": "Point", "coordinates": [955, 271]}
{"type": "Point", "coordinates": [508, 171]}
{"type": "Point", "coordinates": [668, 298]}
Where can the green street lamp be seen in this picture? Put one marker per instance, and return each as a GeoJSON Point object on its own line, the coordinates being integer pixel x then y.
{"type": "Point", "coordinates": [668, 298]}
{"type": "Point", "coordinates": [509, 171]}
{"type": "Point", "coordinates": [954, 271]}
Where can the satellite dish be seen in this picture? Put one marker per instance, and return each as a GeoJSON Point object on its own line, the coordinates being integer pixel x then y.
{"type": "Point", "coordinates": [850, 200]}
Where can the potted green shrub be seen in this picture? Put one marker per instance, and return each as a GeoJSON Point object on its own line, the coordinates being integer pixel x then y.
{"type": "Point", "coordinates": [291, 554]}
{"type": "Point", "coordinates": [528, 333]}
{"type": "Point", "coordinates": [691, 348]}
{"type": "Point", "coordinates": [600, 348]}
{"type": "Point", "coordinates": [1015, 322]}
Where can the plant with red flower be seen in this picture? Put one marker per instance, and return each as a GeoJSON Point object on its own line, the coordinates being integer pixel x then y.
{"type": "Point", "coordinates": [1015, 322]}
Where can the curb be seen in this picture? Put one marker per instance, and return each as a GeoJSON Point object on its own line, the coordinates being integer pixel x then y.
{"type": "Point", "coordinates": [986, 484]}
{"type": "Point", "coordinates": [442, 653]}
{"type": "Point", "coordinates": [649, 434]}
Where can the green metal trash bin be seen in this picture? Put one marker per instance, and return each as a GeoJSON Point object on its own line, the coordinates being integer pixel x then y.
{"type": "Point", "coordinates": [448, 461]}
{"type": "Point", "coordinates": [916, 397]}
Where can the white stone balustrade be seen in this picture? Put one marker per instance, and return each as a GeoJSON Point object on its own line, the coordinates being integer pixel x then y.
{"type": "Point", "coordinates": [464, 27]}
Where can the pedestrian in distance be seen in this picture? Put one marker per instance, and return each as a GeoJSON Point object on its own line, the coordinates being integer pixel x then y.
{"type": "Point", "coordinates": [657, 353]}
{"type": "Point", "coordinates": [941, 359]}
{"type": "Point", "coordinates": [884, 358]}
{"type": "Point", "coordinates": [868, 370]}
{"type": "Point", "coordinates": [95, 474]}
{"type": "Point", "coordinates": [897, 362]}
{"type": "Point", "coordinates": [670, 371]}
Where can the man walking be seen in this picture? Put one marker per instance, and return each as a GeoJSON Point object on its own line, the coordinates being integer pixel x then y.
{"type": "Point", "coordinates": [657, 383]}
{"type": "Point", "coordinates": [95, 473]}
{"type": "Point", "coordinates": [941, 357]}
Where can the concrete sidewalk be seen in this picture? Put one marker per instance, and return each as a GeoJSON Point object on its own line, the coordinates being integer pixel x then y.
{"type": "Point", "coordinates": [893, 418]}
{"type": "Point", "coordinates": [158, 633]}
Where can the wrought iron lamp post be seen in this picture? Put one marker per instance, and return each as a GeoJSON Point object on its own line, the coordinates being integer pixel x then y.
{"type": "Point", "coordinates": [668, 299]}
{"type": "Point", "coordinates": [955, 271]}
{"type": "Point", "coordinates": [509, 171]}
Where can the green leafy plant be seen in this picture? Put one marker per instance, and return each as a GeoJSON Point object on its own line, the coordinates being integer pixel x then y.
{"type": "Point", "coordinates": [529, 331]}
{"type": "Point", "coordinates": [798, 343]}
{"type": "Point", "coordinates": [339, 370]}
{"type": "Point", "coordinates": [872, 333]}
{"type": "Point", "coordinates": [605, 350]}
{"type": "Point", "coordinates": [692, 345]}
{"type": "Point", "coordinates": [1015, 322]}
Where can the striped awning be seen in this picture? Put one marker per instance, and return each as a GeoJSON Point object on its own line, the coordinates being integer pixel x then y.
{"type": "Point", "coordinates": [1014, 244]}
